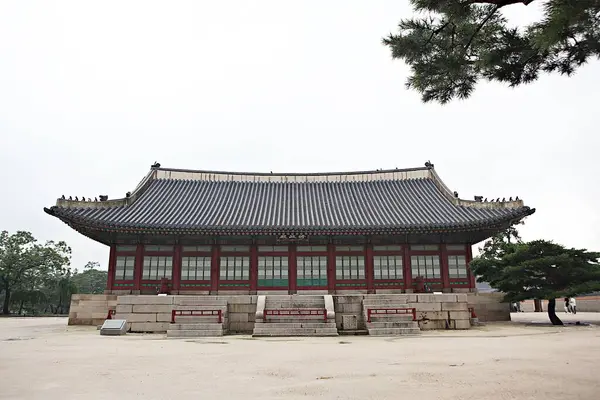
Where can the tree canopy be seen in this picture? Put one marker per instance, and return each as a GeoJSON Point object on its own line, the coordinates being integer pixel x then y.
{"type": "Point", "coordinates": [36, 278]}
{"type": "Point", "coordinates": [538, 270]}
{"type": "Point", "coordinates": [453, 44]}
{"type": "Point", "coordinates": [26, 265]}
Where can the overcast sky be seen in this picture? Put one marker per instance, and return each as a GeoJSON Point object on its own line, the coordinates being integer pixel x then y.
{"type": "Point", "coordinates": [92, 93]}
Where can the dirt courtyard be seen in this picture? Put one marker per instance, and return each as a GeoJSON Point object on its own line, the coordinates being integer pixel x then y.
{"type": "Point", "coordinates": [42, 358]}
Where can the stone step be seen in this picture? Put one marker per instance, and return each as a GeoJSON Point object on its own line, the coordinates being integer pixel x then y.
{"type": "Point", "coordinates": [393, 331]}
{"type": "Point", "coordinates": [289, 325]}
{"type": "Point", "coordinates": [270, 331]}
{"type": "Point", "coordinates": [385, 303]}
{"type": "Point", "coordinates": [392, 324]}
{"type": "Point", "coordinates": [201, 326]}
{"type": "Point", "coordinates": [188, 333]}
{"type": "Point", "coordinates": [401, 296]}
{"type": "Point", "coordinates": [294, 297]}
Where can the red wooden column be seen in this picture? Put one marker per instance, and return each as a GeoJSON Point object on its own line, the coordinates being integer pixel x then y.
{"type": "Point", "coordinates": [406, 267]}
{"type": "Point", "coordinates": [445, 270]}
{"type": "Point", "coordinates": [253, 275]}
{"type": "Point", "coordinates": [331, 268]}
{"type": "Point", "coordinates": [214, 269]}
{"type": "Point", "coordinates": [112, 259]}
{"type": "Point", "coordinates": [468, 258]}
{"type": "Point", "coordinates": [139, 264]}
{"type": "Point", "coordinates": [292, 270]}
{"type": "Point", "coordinates": [176, 278]}
{"type": "Point", "coordinates": [369, 268]}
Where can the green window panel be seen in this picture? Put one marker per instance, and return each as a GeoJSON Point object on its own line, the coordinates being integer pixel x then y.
{"type": "Point", "coordinates": [312, 282]}
{"type": "Point", "coordinates": [272, 282]}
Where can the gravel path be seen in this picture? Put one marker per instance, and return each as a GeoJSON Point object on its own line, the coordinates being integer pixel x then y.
{"type": "Point", "coordinates": [41, 358]}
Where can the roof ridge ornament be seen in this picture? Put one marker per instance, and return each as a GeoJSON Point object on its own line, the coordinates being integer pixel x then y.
{"type": "Point", "coordinates": [428, 164]}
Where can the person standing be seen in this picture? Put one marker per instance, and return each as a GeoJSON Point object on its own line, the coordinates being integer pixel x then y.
{"type": "Point", "coordinates": [573, 305]}
{"type": "Point", "coordinates": [567, 310]}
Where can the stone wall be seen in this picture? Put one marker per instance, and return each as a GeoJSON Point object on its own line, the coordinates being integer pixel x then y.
{"type": "Point", "coordinates": [90, 309]}
{"type": "Point", "coordinates": [151, 313]}
{"type": "Point", "coordinates": [242, 310]}
{"type": "Point", "coordinates": [145, 313]}
{"type": "Point", "coordinates": [434, 311]}
{"type": "Point", "coordinates": [489, 306]}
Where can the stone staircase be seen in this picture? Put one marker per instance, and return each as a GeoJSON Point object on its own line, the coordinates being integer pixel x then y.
{"type": "Point", "coordinates": [389, 324]}
{"type": "Point", "coordinates": [192, 326]}
{"type": "Point", "coordinates": [288, 324]}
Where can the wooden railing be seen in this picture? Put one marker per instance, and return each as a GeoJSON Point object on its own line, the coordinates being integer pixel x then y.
{"type": "Point", "coordinates": [300, 312]}
{"type": "Point", "coordinates": [197, 313]}
{"type": "Point", "coordinates": [391, 311]}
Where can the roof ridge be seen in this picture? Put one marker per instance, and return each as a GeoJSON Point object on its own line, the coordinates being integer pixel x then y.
{"type": "Point", "coordinates": [376, 171]}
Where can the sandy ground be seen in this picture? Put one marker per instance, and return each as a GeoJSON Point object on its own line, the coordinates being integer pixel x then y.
{"type": "Point", "coordinates": [41, 358]}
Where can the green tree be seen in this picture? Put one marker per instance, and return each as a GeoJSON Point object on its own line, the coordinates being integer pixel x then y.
{"type": "Point", "coordinates": [539, 270]}
{"type": "Point", "coordinates": [453, 44]}
{"type": "Point", "coordinates": [91, 280]}
{"type": "Point", "coordinates": [25, 264]}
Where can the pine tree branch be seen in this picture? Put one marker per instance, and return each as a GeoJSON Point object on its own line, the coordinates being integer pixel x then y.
{"type": "Point", "coordinates": [490, 15]}
{"type": "Point", "coordinates": [500, 3]}
{"type": "Point", "coordinates": [436, 31]}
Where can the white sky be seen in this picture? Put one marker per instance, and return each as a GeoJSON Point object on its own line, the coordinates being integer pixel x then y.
{"type": "Point", "coordinates": [92, 93]}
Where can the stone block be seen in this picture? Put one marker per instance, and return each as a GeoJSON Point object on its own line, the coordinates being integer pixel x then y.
{"type": "Point", "coordinates": [163, 317]}
{"type": "Point", "coordinates": [432, 324]}
{"type": "Point", "coordinates": [241, 327]}
{"type": "Point", "coordinates": [87, 304]}
{"type": "Point", "coordinates": [99, 315]}
{"type": "Point", "coordinates": [152, 308]}
{"type": "Point", "coordinates": [199, 300]}
{"type": "Point", "coordinates": [459, 315]}
{"type": "Point", "coordinates": [461, 324]}
{"type": "Point", "coordinates": [349, 322]}
{"type": "Point", "coordinates": [124, 308]}
{"type": "Point", "coordinates": [427, 306]}
{"type": "Point", "coordinates": [431, 315]}
{"type": "Point", "coordinates": [411, 298]}
{"type": "Point", "coordinates": [239, 300]}
{"type": "Point", "coordinates": [242, 308]}
{"type": "Point", "coordinates": [145, 299]}
{"type": "Point", "coordinates": [454, 306]}
{"type": "Point", "coordinates": [350, 308]}
{"type": "Point", "coordinates": [238, 317]}
{"type": "Point", "coordinates": [151, 327]}
{"type": "Point", "coordinates": [461, 298]}
{"type": "Point", "coordinates": [137, 317]}
{"type": "Point", "coordinates": [113, 327]}
{"type": "Point", "coordinates": [425, 298]}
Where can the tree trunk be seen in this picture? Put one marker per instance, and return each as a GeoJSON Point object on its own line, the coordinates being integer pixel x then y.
{"type": "Point", "coordinates": [537, 304]}
{"type": "Point", "coordinates": [5, 309]}
{"type": "Point", "coordinates": [552, 313]}
{"type": "Point", "coordinates": [21, 307]}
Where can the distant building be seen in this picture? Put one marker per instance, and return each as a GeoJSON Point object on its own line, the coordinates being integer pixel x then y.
{"type": "Point", "coordinates": [205, 232]}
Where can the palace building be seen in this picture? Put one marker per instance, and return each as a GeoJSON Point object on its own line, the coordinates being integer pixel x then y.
{"type": "Point", "coordinates": [207, 232]}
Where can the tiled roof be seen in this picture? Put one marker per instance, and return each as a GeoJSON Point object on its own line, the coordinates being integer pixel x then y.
{"type": "Point", "coordinates": [412, 200]}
